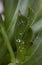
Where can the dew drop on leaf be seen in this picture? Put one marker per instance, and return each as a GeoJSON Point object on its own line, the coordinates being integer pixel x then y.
{"type": "Point", "coordinates": [22, 21]}
{"type": "Point", "coordinates": [18, 41]}
{"type": "Point", "coordinates": [20, 34]}
{"type": "Point", "coordinates": [17, 61]}
{"type": "Point", "coordinates": [19, 47]}
{"type": "Point", "coordinates": [21, 50]}
{"type": "Point", "coordinates": [37, 38]}
{"type": "Point", "coordinates": [23, 42]}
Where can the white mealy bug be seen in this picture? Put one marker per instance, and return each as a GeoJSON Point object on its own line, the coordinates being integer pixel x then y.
{"type": "Point", "coordinates": [2, 10]}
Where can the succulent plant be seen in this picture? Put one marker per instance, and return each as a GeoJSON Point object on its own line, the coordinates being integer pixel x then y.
{"type": "Point", "coordinates": [21, 32]}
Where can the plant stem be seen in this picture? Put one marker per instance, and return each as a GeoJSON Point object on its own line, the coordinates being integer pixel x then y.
{"type": "Point", "coordinates": [7, 43]}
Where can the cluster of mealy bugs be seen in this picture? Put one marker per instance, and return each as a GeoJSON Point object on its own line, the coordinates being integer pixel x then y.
{"type": "Point", "coordinates": [2, 10]}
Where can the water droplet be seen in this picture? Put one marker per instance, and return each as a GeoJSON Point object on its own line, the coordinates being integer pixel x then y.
{"type": "Point", "coordinates": [19, 47]}
{"type": "Point", "coordinates": [21, 50]}
{"type": "Point", "coordinates": [37, 37]}
{"type": "Point", "coordinates": [20, 33]}
{"type": "Point", "coordinates": [22, 21]}
{"type": "Point", "coordinates": [18, 40]}
{"type": "Point", "coordinates": [23, 42]}
{"type": "Point", "coordinates": [17, 61]}
{"type": "Point", "coordinates": [26, 57]}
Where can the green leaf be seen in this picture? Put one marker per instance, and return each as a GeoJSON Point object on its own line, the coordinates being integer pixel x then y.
{"type": "Point", "coordinates": [37, 26]}
{"type": "Point", "coordinates": [37, 9]}
{"type": "Point", "coordinates": [35, 5]}
{"type": "Point", "coordinates": [10, 7]}
{"type": "Point", "coordinates": [36, 56]}
{"type": "Point", "coordinates": [7, 43]}
{"type": "Point", "coordinates": [23, 35]}
{"type": "Point", "coordinates": [24, 7]}
{"type": "Point", "coordinates": [13, 21]}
